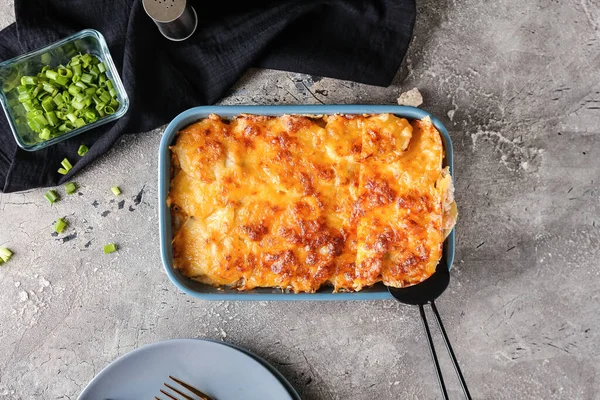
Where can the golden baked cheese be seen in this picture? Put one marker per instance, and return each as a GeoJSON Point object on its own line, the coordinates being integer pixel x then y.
{"type": "Point", "coordinates": [299, 202]}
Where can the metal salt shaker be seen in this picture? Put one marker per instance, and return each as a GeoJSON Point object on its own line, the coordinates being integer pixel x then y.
{"type": "Point", "coordinates": [175, 19]}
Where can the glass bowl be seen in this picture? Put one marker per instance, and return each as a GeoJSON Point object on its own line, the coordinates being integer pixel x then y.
{"type": "Point", "coordinates": [85, 41]}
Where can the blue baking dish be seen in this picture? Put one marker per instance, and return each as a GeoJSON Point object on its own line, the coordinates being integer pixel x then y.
{"type": "Point", "coordinates": [207, 292]}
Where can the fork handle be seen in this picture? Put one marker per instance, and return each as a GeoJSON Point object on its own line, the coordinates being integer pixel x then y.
{"type": "Point", "coordinates": [448, 347]}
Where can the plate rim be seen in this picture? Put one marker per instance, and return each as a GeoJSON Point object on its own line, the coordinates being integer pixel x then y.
{"type": "Point", "coordinates": [260, 361]}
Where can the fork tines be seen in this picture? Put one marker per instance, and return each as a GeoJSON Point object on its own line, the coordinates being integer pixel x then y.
{"type": "Point", "coordinates": [174, 392]}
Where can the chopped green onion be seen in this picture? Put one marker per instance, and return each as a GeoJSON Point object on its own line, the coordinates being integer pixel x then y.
{"type": "Point", "coordinates": [51, 74]}
{"type": "Point", "coordinates": [87, 78]}
{"type": "Point", "coordinates": [70, 188]}
{"type": "Point", "coordinates": [48, 87]}
{"type": "Point", "coordinates": [67, 73]}
{"type": "Point", "coordinates": [58, 99]}
{"type": "Point", "coordinates": [71, 117]}
{"type": "Point", "coordinates": [116, 191]}
{"type": "Point", "coordinates": [5, 254]}
{"type": "Point", "coordinates": [63, 97]}
{"type": "Point", "coordinates": [28, 106]}
{"type": "Point", "coordinates": [51, 196]}
{"type": "Point", "coordinates": [79, 122]}
{"type": "Point", "coordinates": [62, 171]}
{"type": "Point", "coordinates": [66, 127]}
{"type": "Point", "coordinates": [48, 104]}
{"type": "Point", "coordinates": [62, 80]}
{"type": "Point", "coordinates": [60, 225]}
{"type": "Point", "coordinates": [66, 164]}
{"type": "Point", "coordinates": [45, 134]}
{"type": "Point", "coordinates": [110, 248]}
{"type": "Point", "coordinates": [23, 97]}
{"type": "Point", "coordinates": [82, 150]}
{"type": "Point", "coordinates": [29, 80]}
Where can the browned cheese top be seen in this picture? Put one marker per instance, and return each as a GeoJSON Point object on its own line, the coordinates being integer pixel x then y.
{"type": "Point", "coordinates": [299, 202]}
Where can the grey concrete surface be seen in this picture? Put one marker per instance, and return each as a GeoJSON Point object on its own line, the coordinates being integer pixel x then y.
{"type": "Point", "coordinates": [517, 84]}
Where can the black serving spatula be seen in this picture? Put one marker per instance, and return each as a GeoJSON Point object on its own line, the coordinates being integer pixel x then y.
{"type": "Point", "coordinates": [424, 293]}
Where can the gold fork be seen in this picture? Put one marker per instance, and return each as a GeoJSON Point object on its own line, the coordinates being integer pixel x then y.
{"type": "Point", "coordinates": [190, 388]}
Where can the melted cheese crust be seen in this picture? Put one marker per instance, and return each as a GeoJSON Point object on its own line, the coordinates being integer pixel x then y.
{"type": "Point", "coordinates": [297, 203]}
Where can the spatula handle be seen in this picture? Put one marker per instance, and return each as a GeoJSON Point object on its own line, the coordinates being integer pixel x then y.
{"type": "Point", "coordinates": [448, 347]}
{"type": "Point", "coordinates": [463, 384]}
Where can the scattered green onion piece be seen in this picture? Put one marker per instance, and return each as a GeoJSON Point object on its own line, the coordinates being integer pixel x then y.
{"type": "Point", "coordinates": [82, 150]}
{"type": "Point", "coordinates": [51, 196]}
{"type": "Point", "coordinates": [110, 248]}
{"type": "Point", "coordinates": [116, 191]}
{"type": "Point", "coordinates": [62, 171]}
{"type": "Point", "coordinates": [66, 164]}
{"type": "Point", "coordinates": [70, 188]}
{"type": "Point", "coordinates": [5, 254]}
{"type": "Point", "coordinates": [60, 225]}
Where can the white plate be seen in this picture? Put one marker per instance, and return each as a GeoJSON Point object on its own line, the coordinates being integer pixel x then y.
{"type": "Point", "coordinates": [215, 368]}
